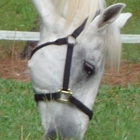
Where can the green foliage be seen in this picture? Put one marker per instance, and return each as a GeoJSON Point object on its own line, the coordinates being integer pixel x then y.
{"type": "Point", "coordinates": [17, 15]}
{"type": "Point", "coordinates": [116, 114]}
{"type": "Point", "coordinates": [18, 113]}
{"type": "Point", "coordinates": [131, 52]}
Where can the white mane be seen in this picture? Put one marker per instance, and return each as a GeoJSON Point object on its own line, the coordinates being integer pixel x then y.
{"type": "Point", "coordinates": [82, 9]}
{"type": "Point", "coordinates": [113, 46]}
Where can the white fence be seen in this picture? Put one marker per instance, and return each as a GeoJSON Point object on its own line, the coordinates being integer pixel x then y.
{"type": "Point", "coordinates": [34, 36]}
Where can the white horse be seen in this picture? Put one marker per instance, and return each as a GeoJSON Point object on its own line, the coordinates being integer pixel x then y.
{"type": "Point", "coordinates": [95, 44]}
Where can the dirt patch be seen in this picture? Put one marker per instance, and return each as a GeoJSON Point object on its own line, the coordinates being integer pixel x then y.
{"type": "Point", "coordinates": [15, 69]}
{"type": "Point", "coordinates": [128, 74]}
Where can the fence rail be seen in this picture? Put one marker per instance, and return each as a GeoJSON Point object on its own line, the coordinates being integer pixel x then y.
{"type": "Point", "coordinates": [34, 36]}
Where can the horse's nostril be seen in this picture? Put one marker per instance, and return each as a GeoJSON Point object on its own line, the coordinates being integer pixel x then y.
{"type": "Point", "coordinates": [51, 135]}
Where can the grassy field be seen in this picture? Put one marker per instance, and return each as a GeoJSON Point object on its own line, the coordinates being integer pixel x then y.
{"type": "Point", "coordinates": [18, 113]}
{"type": "Point", "coordinates": [116, 113]}
{"type": "Point", "coordinates": [15, 15]}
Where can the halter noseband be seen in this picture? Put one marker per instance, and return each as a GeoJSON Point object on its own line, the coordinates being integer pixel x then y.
{"type": "Point", "coordinates": [65, 91]}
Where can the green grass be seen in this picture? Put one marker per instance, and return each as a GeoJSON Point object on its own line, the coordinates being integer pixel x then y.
{"type": "Point", "coordinates": [116, 113]}
{"type": "Point", "coordinates": [15, 15]}
{"type": "Point", "coordinates": [18, 113]}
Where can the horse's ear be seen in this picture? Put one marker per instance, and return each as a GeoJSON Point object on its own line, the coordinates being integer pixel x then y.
{"type": "Point", "coordinates": [109, 15]}
{"type": "Point", "coordinates": [122, 19]}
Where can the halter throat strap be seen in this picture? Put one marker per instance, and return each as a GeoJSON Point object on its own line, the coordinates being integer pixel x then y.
{"type": "Point", "coordinates": [65, 87]}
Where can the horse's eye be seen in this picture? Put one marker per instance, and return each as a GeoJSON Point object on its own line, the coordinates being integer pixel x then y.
{"type": "Point", "coordinates": [89, 68]}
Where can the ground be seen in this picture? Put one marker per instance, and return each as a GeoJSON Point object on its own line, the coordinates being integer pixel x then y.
{"type": "Point", "coordinates": [16, 68]}
{"type": "Point", "coordinates": [129, 73]}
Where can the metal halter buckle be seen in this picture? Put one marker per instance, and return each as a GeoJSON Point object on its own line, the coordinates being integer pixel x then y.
{"type": "Point", "coordinates": [66, 94]}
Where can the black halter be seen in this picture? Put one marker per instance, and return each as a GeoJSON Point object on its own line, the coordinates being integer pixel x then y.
{"type": "Point", "coordinates": [65, 91]}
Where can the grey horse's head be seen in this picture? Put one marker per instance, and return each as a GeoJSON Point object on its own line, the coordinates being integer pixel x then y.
{"type": "Point", "coordinates": [98, 43]}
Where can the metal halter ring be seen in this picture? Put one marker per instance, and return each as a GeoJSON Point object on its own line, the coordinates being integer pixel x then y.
{"type": "Point", "coordinates": [66, 94]}
{"type": "Point", "coordinates": [71, 39]}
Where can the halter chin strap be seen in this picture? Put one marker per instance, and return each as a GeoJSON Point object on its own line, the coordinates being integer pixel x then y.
{"type": "Point", "coordinates": [65, 91]}
{"type": "Point", "coordinates": [69, 99]}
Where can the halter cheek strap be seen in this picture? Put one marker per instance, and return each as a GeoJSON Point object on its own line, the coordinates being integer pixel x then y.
{"type": "Point", "coordinates": [65, 91]}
